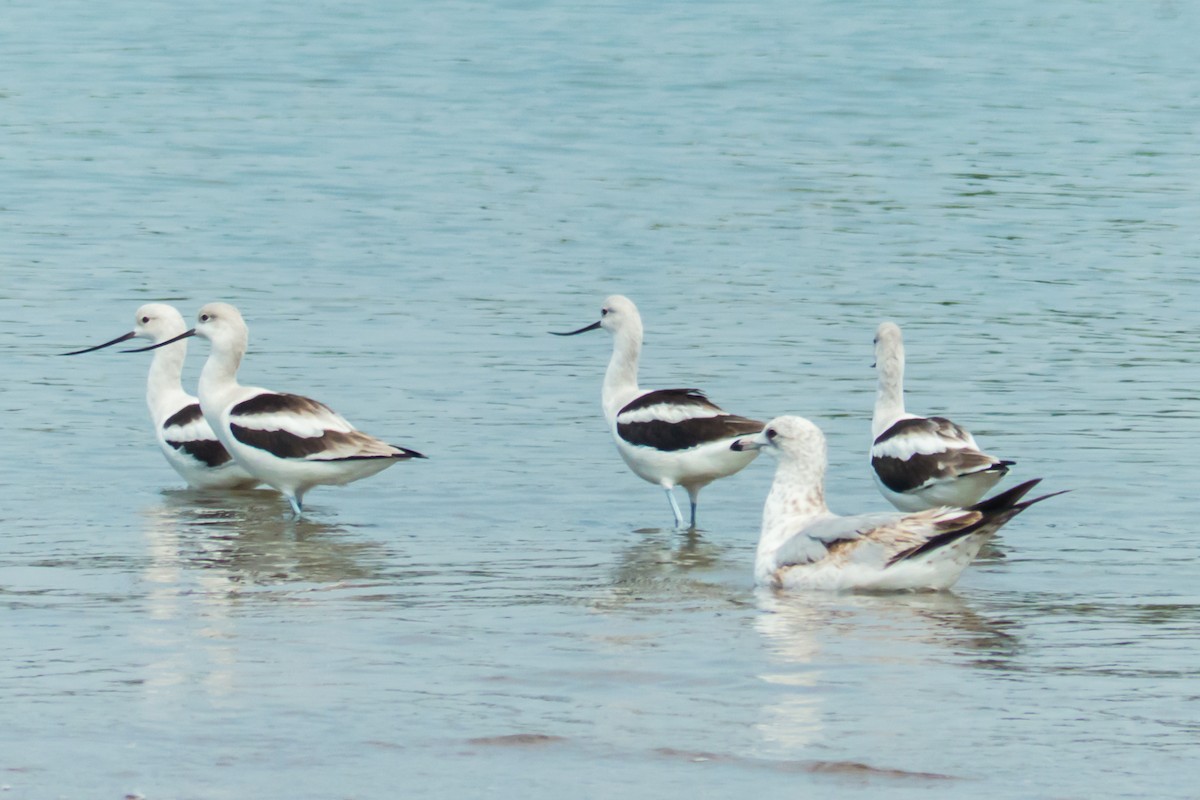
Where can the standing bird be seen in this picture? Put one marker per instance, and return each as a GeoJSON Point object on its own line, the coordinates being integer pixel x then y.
{"type": "Point", "coordinates": [285, 440]}
{"type": "Point", "coordinates": [803, 545]}
{"type": "Point", "coordinates": [186, 440]}
{"type": "Point", "coordinates": [669, 437]}
{"type": "Point", "coordinates": [922, 462]}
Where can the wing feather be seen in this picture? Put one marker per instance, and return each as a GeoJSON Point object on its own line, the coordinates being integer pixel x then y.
{"type": "Point", "coordinates": [679, 419]}
{"type": "Point", "coordinates": [290, 426]}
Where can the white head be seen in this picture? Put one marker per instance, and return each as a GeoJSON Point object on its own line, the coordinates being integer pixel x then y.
{"type": "Point", "coordinates": [799, 484]}
{"type": "Point", "coordinates": [889, 366]}
{"type": "Point", "coordinates": [619, 316]}
{"type": "Point", "coordinates": [889, 348]}
{"type": "Point", "coordinates": [222, 324]}
{"type": "Point", "coordinates": [158, 322]}
{"type": "Point", "coordinates": [793, 440]}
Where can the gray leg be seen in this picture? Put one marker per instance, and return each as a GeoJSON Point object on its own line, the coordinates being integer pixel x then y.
{"type": "Point", "coordinates": [295, 501]}
{"type": "Point", "coordinates": [675, 508]}
{"type": "Point", "coordinates": [694, 496]}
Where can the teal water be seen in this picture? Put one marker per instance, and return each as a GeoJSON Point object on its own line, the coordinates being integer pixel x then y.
{"type": "Point", "coordinates": [404, 200]}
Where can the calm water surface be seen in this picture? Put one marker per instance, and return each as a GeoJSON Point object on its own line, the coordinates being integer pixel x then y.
{"type": "Point", "coordinates": [403, 201]}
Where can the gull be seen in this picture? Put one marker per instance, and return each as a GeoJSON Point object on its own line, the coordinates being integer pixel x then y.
{"type": "Point", "coordinates": [922, 462]}
{"type": "Point", "coordinates": [804, 545]}
{"type": "Point", "coordinates": [669, 437]}
{"type": "Point", "coordinates": [186, 440]}
{"type": "Point", "coordinates": [288, 441]}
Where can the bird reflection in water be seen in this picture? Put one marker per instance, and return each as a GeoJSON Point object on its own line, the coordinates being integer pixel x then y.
{"type": "Point", "coordinates": [210, 556]}
{"type": "Point", "coordinates": [241, 539]}
{"type": "Point", "coordinates": [811, 637]}
{"type": "Point", "coordinates": [665, 565]}
{"type": "Point", "coordinates": [665, 560]}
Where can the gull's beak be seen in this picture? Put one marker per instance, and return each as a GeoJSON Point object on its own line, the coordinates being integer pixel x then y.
{"type": "Point", "coordinates": [584, 329]}
{"type": "Point", "coordinates": [125, 338]}
{"type": "Point", "coordinates": [183, 335]}
{"type": "Point", "coordinates": [756, 442]}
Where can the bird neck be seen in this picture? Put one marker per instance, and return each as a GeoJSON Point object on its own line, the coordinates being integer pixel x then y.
{"type": "Point", "coordinates": [621, 377]}
{"type": "Point", "coordinates": [164, 382]}
{"type": "Point", "coordinates": [889, 396]}
{"type": "Point", "coordinates": [797, 495]}
{"type": "Point", "coordinates": [219, 377]}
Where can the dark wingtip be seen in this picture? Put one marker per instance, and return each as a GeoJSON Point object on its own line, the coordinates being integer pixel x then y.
{"type": "Point", "coordinates": [1003, 506]}
{"type": "Point", "coordinates": [1006, 499]}
{"type": "Point", "coordinates": [1028, 503]}
{"type": "Point", "coordinates": [1012, 498]}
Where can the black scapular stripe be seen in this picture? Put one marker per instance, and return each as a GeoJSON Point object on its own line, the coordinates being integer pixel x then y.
{"type": "Point", "coordinates": [209, 451]}
{"type": "Point", "coordinates": [184, 416]}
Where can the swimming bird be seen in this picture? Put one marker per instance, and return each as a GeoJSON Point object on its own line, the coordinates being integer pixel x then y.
{"type": "Point", "coordinates": [285, 440]}
{"type": "Point", "coordinates": [186, 440]}
{"type": "Point", "coordinates": [922, 462]}
{"type": "Point", "coordinates": [669, 437]}
{"type": "Point", "coordinates": [803, 545]}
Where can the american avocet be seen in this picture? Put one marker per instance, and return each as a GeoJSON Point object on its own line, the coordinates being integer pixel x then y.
{"type": "Point", "coordinates": [922, 462]}
{"type": "Point", "coordinates": [285, 440]}
{"type": "Point", "coordinates": [803, 545]}
{"type": "Point", "coordinates": [184, 437]}
{"type": "Point", "coordinates": [669, 437]}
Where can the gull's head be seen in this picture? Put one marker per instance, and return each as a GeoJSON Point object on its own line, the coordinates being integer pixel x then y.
{"type": "Point", "coordinates": [889, 344]}
{"type": "Point", "coordinates": [158, 322]}
{"type": "Point", "coordinates": [618, 315]}
{"type": "Point", "coordinates": [788, 439]}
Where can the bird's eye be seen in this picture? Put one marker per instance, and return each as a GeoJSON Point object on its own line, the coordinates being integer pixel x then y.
{"type": "Point", "coordinates": [772, 433]}
{"type": "Point", "coordinates": [604, 312]}
{"type": "Point", "coordinates": [204, 317]}
{"type": "Point", "coordinates": [145, 320]}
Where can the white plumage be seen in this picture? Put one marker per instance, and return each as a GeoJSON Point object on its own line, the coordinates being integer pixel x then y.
{"type": "Point", "coordinates": [922, 462]}
{"type": "Point", "coordinates": [288, 441]}
{"type": "Point", "coordinates": [183, 436]}
{"type": "Point", "coordinates": [669, 437]}
{"type": "Point", "coordinates": [804, 545]}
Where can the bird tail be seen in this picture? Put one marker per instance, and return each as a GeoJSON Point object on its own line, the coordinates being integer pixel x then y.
{"type": "Point", "coordinates": [993, 512]}
{"type": "Point", "coordinates": [1010, 499]}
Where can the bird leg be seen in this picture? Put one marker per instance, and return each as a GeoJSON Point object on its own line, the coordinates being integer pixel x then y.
{"type": "Point", "coordinates": [674, 507]}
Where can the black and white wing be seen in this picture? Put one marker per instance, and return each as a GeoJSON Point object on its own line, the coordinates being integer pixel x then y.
{"type": "Point", "coordinates": [679, 419]}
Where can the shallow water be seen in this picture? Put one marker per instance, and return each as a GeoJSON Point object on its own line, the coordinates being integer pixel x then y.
{"type": "Point", "coordinates": [403, 203]}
